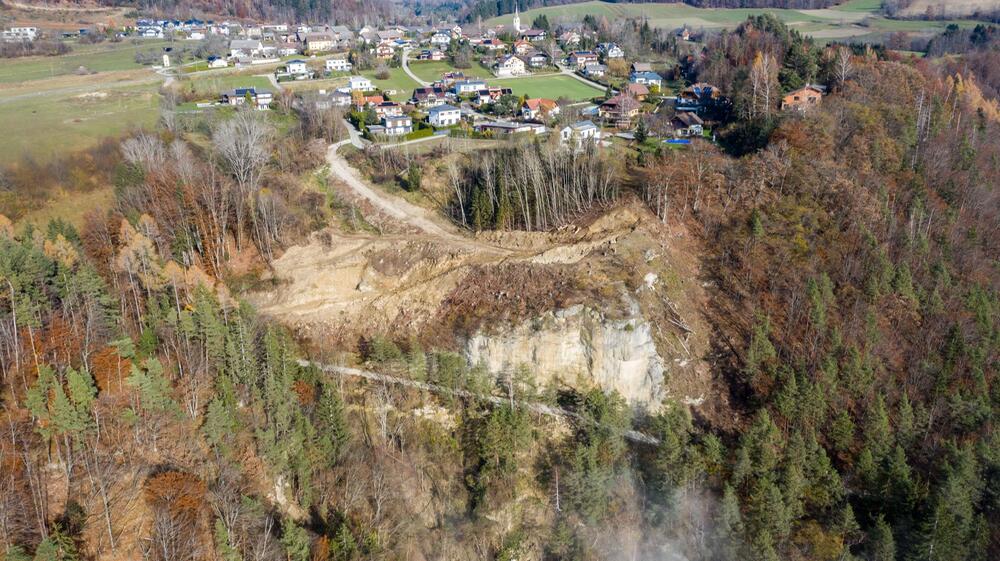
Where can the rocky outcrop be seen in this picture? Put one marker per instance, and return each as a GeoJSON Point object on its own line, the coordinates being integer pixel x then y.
{"type": "Point", "coordinates": [579, 346]}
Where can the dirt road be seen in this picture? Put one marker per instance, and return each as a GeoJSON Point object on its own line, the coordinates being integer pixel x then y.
{"type": "Point", "coordinates": [533, 406]}
{"type": "Point", "coordinates": [399, 209]}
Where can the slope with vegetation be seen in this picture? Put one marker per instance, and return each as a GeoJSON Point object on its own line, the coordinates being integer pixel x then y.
{"type": "Point", "coordinates": [838, 281]}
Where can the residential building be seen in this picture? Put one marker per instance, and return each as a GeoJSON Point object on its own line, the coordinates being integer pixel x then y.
{"type": "Point", "coordinates": [534, 35]}
{"type": "Point", "coordinates": [539, 108]}
{"type": "Point", "coordinates": [491, 94]}
{"type": "Point", "coordinates": [493, 45]}
{"type": "Point", "coordinates": [580, 133]}
{"type": "Point", "coordinates": [638, 91]}
{"type": "Point", "coordinates": [803, 98]}
{"type": "Point", "coordinates": [498, 128]}
{"type": "Point", "coordinates": [699, 97]}
{"type": "Point", "coordinates": [508, 66]}
{"type": "Point", "coordinates": [610, 50]}
{"type": "Point", "coordinates": [335, 98]}
{"type": "Point", "coordinates": [444, 115]}
{"type": "Point", "coordinates": [523, 47]}
{"type": "Point", "coordinates": [20, 34]}
{"type": "Point", "coordinates": [646, 78]}
{"type": "Point", "coordinates": [594, 70]}
{"type": "Point", "coordinates": [318, 42]}
{"type": "Point", "coordinates": [388, 109]}
{"type": "Point", "coordinates": [687, 123]}
{"type": "Point", "coordinates": [441, 39]}
{"type": "Point", "coordinates": [536, 59]}
{"type": "Point", "coordinates": [246, 48]}
{"type": "Point", "coordinates": [396, 125]}
{"type": "Point", "coordinates": [338, 65]}
{"type": "Point", "coordinates": [259, 99]}
{"type": "Point", "coordinates": [217, 62]}
{"type": "Point", "coordinates": [359, 83]}
{"type": "Point", "coordinates": [580, 59]}
{"type": "Point", "coordinates": [641, 67]}
{"type": "Point", "coordinates": [468, 86]}
{"type": "Point", "coordinates": [384, 50]}
{"type": "Point", "coordinates": [620, 110]}
{"type": "Point", "coordinates": [569, 39]}
{"type": "Point", "coordinates": [296, 67]}
{"type": "Point", "coordinates": [429, 97]}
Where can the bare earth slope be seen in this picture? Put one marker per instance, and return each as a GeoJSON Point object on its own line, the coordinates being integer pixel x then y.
{"type": "Point", "coordinates": [614, 301]}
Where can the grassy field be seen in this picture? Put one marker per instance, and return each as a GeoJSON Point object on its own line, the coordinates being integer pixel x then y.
{"type": "Point", "coordinates": [856, 18]}
{"type": "Point", "coordinates": [432, 70]}
{"type": "Point", "coordinates": [49, 125]}
{"type": "Point", "coordinates": [104, 57]}
{"type": "Point", "coordinates": [398, 80]}
{"type": "Point", "coordinates": [209, 87]}
{"type": "Point", "coordinates": [552, 87]}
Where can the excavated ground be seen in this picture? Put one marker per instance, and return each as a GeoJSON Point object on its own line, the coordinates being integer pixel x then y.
{"type": "Point", "coordinates": [622, 267]}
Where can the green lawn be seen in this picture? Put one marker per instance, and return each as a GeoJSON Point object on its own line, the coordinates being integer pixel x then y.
{"type": "Point", "coordinates": [398, 80]}
{"type": "Point", "coordinates": [45, 126]}
{"type": "Point", "coordinates": [95, 58]}
{"type": "Point", "coordinates": [859, 6]}
{"type": "Point", "coordinates": [552, 87]}
{"type": "Point", "coordinates": [209, 87]}
{"type": "Point", "coordinates": [856, 18]}
{"type": "Point", "coordinates": [432, 70]}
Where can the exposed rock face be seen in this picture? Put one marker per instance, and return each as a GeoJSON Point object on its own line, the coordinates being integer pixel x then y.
{"type": "Point", "coordinates": [579, 344]}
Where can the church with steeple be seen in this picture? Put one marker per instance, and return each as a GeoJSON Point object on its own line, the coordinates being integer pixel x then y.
{"type": "Point", "coordinates": [517, 19]}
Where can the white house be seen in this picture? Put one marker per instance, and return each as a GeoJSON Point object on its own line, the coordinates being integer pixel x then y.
{"type": "Point", "coordinates": [20, 34]}
{"type": "Point", "coordinates": [359, 83]}
{"type": "Point", "coordinates": [297, 67]}
{"type": "Point", "coordinates": [245, 48]}
{"type": "Point", "coordinates": [396, 125]}
{"type": "Point", "coordinates": [442, 39]}
{"type": "Point", "coordinates": [469, 86]}
{"type": "Point", "coordinates": [338, 65]}
{"type": "Point", "coordinates": [646, 78]}
{"type": "Point", "coordinates": [579, 133]}
{"type": "Point", "coordinates": [611, 50]}
{"type": "Point", "coordinates": [444, 115]}
{"type": "Point", "coordinates": [217, 62]}
{"type": "Point", "coordinates": [594, 70]}
{"type": "Point", "coordinates": [508, 66]}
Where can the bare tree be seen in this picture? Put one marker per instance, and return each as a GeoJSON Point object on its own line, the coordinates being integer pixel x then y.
{"type": "Point", "coordinates": [144, 150]}
{"type": "Point", "coordinates": [843, 67]}
{"type": "Point", "coordinates": [244, 143]}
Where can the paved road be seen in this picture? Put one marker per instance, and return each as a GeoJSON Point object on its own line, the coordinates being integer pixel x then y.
{"type": "Point", "coordinates": [406, 68]}
{"type": "Point", "coordinates": [534, 407]}
{"type": "Point", "coordinates": [591, 83]}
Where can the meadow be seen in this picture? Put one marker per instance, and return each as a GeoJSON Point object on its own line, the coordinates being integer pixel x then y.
{"type": "Point", "coordinates": [432, 70]}
{"type": "Point", "coordinates": [397, 80]}
{"type": "Point", "coordinates": [102, 57]}
{"type": "Point", "coordinates": [210, 86]}
{"type": "Point", "coordinates": [856, 18]}
{"type": "Point", "coordinates": [47, 126]}
{"type": "Point", "coordinates": [552, 87]}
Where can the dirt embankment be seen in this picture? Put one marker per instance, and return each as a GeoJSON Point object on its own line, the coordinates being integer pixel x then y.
{"type": "Point", "coordinates": [432, 282]}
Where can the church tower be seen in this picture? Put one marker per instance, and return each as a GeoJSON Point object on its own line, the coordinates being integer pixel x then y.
{"type": "Point", "coordinates": [517, 19]}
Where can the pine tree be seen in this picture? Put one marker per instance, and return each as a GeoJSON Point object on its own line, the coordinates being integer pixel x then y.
{"type": "Point", "coordinates": [729, 527]}
{"type": "Point", "coordinates": [882, 545]}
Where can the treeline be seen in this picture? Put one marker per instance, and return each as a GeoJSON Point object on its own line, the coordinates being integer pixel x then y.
{"type": "Point", "coordinates": [533, 187]}
{"type": "Point", "coordinates": [352, 12]}
{"type": "Point", "coordinates": [38, 47]}
{"type": "Point", "coordinates": [486, 9]}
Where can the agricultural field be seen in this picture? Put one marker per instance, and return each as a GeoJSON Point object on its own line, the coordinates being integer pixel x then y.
{"type": "Point", "coordinates": [857, 18]}
{"type": "Point", "coordinates": [103, 57]}
{"type": "Point", "coordinates": [432, 70]}
{"type": "Point", "coordinates": [552, 87]}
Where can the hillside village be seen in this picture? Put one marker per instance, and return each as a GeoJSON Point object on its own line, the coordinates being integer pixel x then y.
{"type": "Point", "coordinates": [631, 95]}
